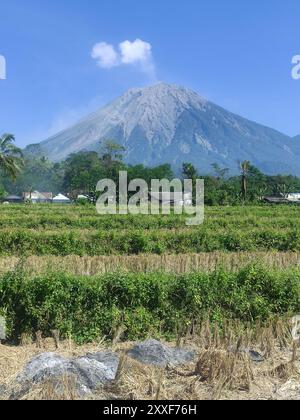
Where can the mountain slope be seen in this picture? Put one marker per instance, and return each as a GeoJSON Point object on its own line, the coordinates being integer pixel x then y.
{"type": "Point", "coordinates": [296, 145]}
{"type": "Point", "coordinates": [165, 123]}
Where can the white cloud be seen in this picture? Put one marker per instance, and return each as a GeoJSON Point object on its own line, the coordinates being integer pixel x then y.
{"type": "Point", "coordinates": [137, 53]}
{"type": "Point", "coordinates": [106, 55]}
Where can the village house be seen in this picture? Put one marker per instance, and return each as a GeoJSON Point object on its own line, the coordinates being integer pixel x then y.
{"type": "Point", "coordinates": [38, 197]}
{"type": "Point", "coordinates": [13, 199]}
{"type": "Point", "coordinates": [172, 198]}
{"type": "Point", "coordinates": [294, 197]}
{"type": "Point", "coordinates": [61, 199]}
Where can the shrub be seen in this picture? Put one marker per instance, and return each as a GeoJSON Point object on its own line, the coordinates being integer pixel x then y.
{"type": "Point", "coordinates": [145, 304]}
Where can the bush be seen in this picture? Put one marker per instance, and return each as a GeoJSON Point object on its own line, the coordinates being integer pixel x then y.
{"type": "Point", "coordinates": [87, 308]}
{"type": "Point", "coordinates": [133, 242]}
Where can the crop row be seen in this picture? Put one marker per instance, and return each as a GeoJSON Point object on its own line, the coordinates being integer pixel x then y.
{"type": "Point", "coordinates": [19, 242]}
{"type": "Point", "coordinates": [153, 304]}
{"type": "Point", "coordinates": [141, 222]}
{"type": "Point", "coordinates": [76, 217]}
{"type": "Point", "coordinates": [263, 210]}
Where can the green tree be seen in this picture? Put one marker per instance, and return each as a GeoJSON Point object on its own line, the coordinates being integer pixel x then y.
{"type": "Point", "coordinates": [162, 172]}
{"type": "Point", "coordinates": [82, 173]}
{"type": "Point", "coordinates": [37, 174]}
{"type": "Point", "coordinates": [189, 171]}
{"type": "Point", "coordinates": [11, 158]}
{"type": "Point", "coordinates": [111, 151]}
{"type": "Point", "coordinates": [221, 173]}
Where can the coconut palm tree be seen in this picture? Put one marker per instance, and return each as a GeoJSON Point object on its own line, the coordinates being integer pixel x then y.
{"type": "Point", "coordinates": [11, 158]}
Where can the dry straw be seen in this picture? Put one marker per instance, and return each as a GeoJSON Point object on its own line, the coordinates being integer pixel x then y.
{"type": "Point", "coordinates": [222, 370]}
{"type": "Point", "coordinates": [179, 264]}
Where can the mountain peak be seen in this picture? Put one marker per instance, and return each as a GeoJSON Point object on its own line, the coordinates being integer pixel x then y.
{"type": "Point", "coordinates": [163, 89]}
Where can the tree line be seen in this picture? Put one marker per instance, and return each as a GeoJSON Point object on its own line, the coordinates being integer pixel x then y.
{"type": "Point", "coordinates": [80, 173]}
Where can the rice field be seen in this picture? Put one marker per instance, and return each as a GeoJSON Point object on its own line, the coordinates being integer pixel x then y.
{"type": "Point", "coordinates": [69, 269]}
{"type": "Point", "coordinates": [39, 239]}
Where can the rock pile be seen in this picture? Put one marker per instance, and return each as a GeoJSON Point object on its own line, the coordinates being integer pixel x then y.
{"type": "Point", "coordinates": [94, 370]}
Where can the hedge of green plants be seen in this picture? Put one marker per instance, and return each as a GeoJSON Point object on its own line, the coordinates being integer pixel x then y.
{"type": "Point", "coordinates": [41, 217]}
{"type": "Point", "coordinates": [129, 222]}
{"type": "Point", "coordinates": [64, 242]}
{"type": "Point", "coordinates": [155, 304]}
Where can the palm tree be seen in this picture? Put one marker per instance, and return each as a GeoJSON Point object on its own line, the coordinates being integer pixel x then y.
{"type": "Point", "coordinates": [245, 167]}
{"type": "Point", "coordinates": [11, 158]}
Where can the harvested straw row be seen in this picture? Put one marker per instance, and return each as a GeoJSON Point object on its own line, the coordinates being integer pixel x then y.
{"type": "Point", "coordinates": [179, 264]}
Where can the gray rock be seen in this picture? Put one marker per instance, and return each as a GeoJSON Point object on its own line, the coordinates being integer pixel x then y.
{"type": "Point", "coordinates": [94, 369]}
{"type": "Point", "coordinates": [2, 328]}
{"type": "Point", "coordinates": [253, 355]}
{"type": "Point", "coordinates": [152, 352]}
{"type": "Point", "coordinates": [108, 358]}
{"type": "Point", "coordinates": [92, 373]}
{"type": "Point", "coordinates": [43, 367]}
{"type": "Point", "coordinates": [89, 372]}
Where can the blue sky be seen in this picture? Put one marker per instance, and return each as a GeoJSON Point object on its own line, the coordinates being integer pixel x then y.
{"type": "Point", "coordinates": [236, 53]}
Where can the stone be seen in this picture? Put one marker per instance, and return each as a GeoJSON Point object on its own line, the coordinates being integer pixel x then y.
{"type": "Point", "coordinates": [43, 366]}
{"type": "Point", "coordinates": [108, 358]}
{"type": "Point", "coordinates": [89, 372]}
{"type": "Point", "coordinates": [253, 355]}
{"type": "Point", "coordinates": [92, 373]}
{"type": "Point", "coordinates": [152, 352]}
